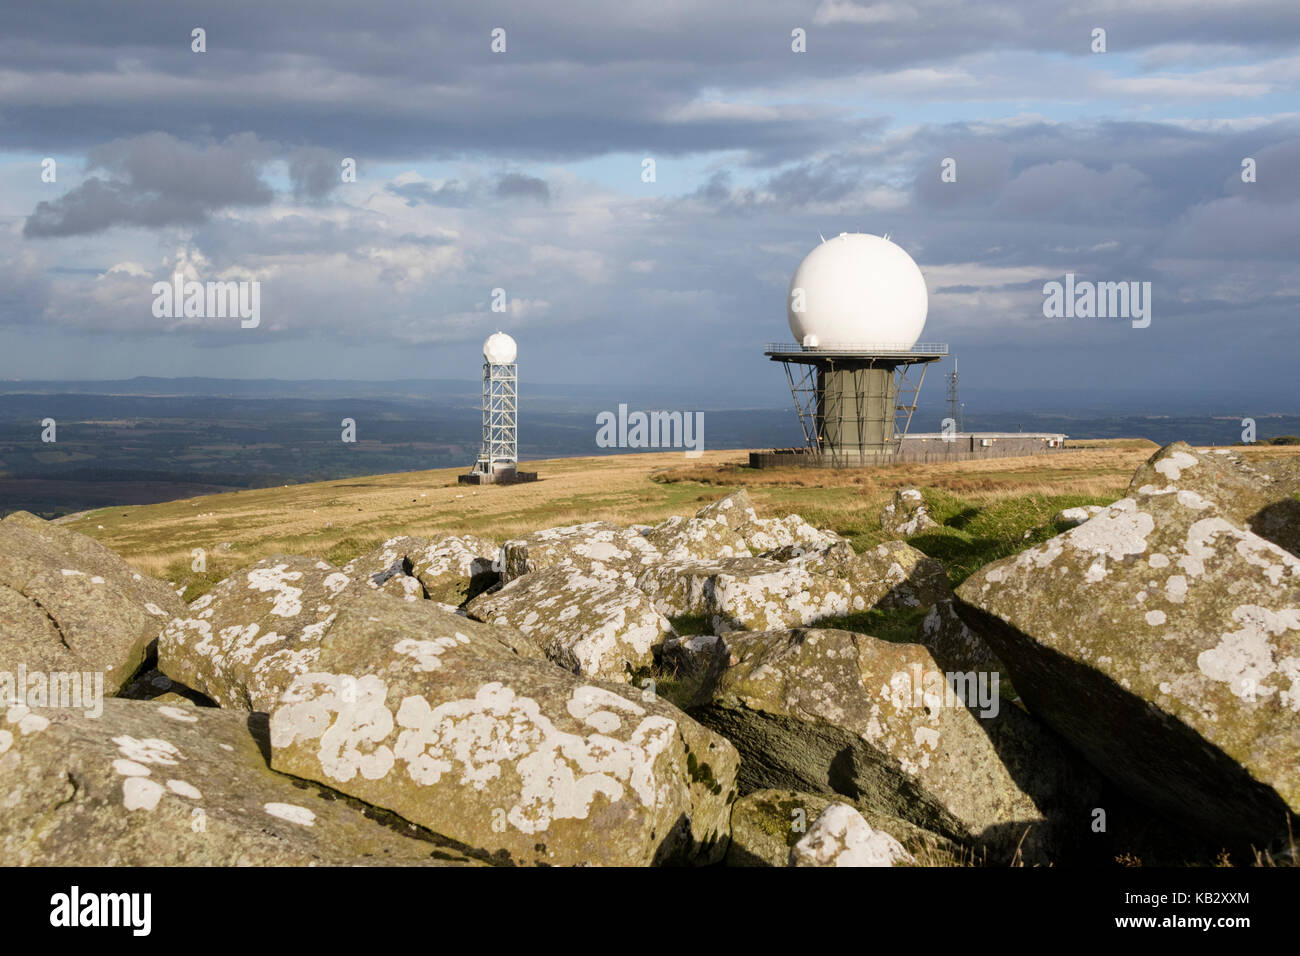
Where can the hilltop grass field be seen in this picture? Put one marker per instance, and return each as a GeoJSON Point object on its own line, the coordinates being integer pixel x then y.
{"type": "Point", "coordinates": [986, 509]}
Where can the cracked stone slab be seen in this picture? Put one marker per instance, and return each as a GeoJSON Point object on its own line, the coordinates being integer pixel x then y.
{"type": "Point", "coordinates": [768, 534]}
{"type": "Point", "coordinates": [448, 570]}
{"type": "Point", "coordinates": [246, 640]}
{"type": "Point", "coordinates": [829, 711]}
{"type": "Point", "coordinates": [1246, 494]}
{"type": "Point", "coordinates": [251, 634]}
{"type": "Point", "coordinates": [587, 625]}
{"type": "Point", "coordinates": [518, 757]}
{"type": "Point", "coordinates": [598, 548]}
{"type": "Point", "coordinates": [696, 539]}
{"type": "Point", "coordinates": [1162, 639]}
{"type": "Point", "coordinates": [157, 784]}
{"type": "Point", "coordinates": [69, 604]}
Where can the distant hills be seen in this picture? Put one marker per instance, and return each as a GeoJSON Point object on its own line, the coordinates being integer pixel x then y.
{"type": "Point", "coordinates": [153, 439]}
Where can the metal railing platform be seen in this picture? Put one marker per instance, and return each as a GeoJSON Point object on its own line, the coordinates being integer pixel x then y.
{"type": "Point", "coordinates": [890, 350]}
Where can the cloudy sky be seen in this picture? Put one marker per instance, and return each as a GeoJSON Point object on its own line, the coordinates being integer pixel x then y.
{"type": "Point", "coordinates": [523, 170]}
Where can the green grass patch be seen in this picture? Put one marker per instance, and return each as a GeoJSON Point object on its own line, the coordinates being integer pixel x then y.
{"type": "Point", "coordinates": [691, 625]}
{"type": "Point", "coordinates": [897, 625]}
{"type": "Point", "coordinates": [971, 535]}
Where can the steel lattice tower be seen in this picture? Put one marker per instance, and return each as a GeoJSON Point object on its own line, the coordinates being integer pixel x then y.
{"type": "Point", "coordinates": [499, 451]}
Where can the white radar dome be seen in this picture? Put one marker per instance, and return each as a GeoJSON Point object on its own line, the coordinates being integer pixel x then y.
{"type": "Point", "coordinates": [855, 290]}
{"type": "Point", "coordinates": [499, 349]}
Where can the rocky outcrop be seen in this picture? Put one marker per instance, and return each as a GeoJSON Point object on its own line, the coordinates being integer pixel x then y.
{"type": "Point", "coordinates": [598, 548]}
{"type": "Point", "coordinates": [828, 711]}
{"type": "Point", "coordinates": [747, 593]}
{"type": "Point", "coordinates": [449, 570]}
{"type": "Point", "coordinates": [149, 784]}
{"type": "Point", "coordinates": [906, 514]}
{"type": "Point", "coordinates": [1073, 517]}
{"type": "Point", "coordinates": [735, 510]}
{"type": "Point", "coordinates": [841, 837]}
{"type": "Point", "coordinates": [243, 642]}
{"type": "Point", "coordinates": [1245, 494]}
{"type": "Point", "coordinates": [1162, 638]}
{"type": "Point", "coordinates": [766, 825]}
{"type": "Point", "coordinates": [792, 587]}
{"type": "Point", "coordinates": [70, 605]}
{"type": "Point", "coordinates": [590, 626]}
{"type": "Point", "coordinates": [518, 757]}
{"type": "Point", "coordinates": [768, 534]}
{"type": "Point", "coordinates": [696, 539]}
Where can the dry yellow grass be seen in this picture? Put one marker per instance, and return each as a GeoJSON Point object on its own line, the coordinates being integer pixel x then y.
{"type": "Point", "coordinates": [339, 519]}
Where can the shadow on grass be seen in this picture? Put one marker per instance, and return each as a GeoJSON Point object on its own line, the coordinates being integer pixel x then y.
{"type": "Point", "coordinates": [963, 518]}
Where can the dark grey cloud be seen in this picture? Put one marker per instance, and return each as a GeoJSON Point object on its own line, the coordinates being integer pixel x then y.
{"type": "Point", "coordinates": [519, 186]}
{"type": "Point", "coordinates": [384, 79]}
{"type": "Point", "coordinates": [314, 172]}
{"type": "Point", "coordinates": [156, 180]}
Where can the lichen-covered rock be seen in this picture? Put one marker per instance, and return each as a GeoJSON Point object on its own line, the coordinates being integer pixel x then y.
{"type": "Point", "coordinates": [952, 642]}
{"type": "Point", "coordinates": [766, 825]}
{"type": "Point", "coordinates": [825, 558]}
{"type": "Point", "coordinates": [734, 510]}
{"type": "Point", "coordinates": [150, 784]}
{"type": "Point", "coordinates": [265, 626]}
{"type": "Point", "coordinates": [791, 587]}
{"type": "Point", "coordinates": [449, 570]}
{"type": "Point", "coordinates": [518, 757]}
{"type": "Point", "coordinates": [1245, 494]}
{"type": "Point", "coordinates": [737, 512]}
{"type": "Point", "coordinates": [388, 568]}
{"type": "Point", "coordinates": [749, 599]}
{"type": "Point", "coordinates": [1073, 517]}
{"type": "Point", "coordinates": [841, 837]}
{"type": "Point", "coordinates": [837, 712]}
{"type": "Point", "coordinates": [684, 587]}
{"type": "Point", "coordinates": [768, 534]}
{"type": "Point", "coordinates": [589, 626]}
{"type": "Point", "coordinates": [696, 539]}
{"type": "Point", "coordinates": [738, 594]}
{"type": "Point", "coordinates": [894, 575]}
{"type": "Point", "coordinates": [906, 514]}
{"type": "Point", "coordinates": [598, 548]}
{"type": "Point", "coordinates": [403, 586]}
{"type": "Point", "coordinates": [68, 604]}
{"type": "Point", "coordinates": [1162, 639]}
{"type": "Point", "coordinates": [244, 641]}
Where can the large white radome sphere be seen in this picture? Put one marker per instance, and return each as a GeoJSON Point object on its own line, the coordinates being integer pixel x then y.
{"type": "Point", "coordinates": [499, 349]}
{"type": "Point", "coordinates": [857, 289]}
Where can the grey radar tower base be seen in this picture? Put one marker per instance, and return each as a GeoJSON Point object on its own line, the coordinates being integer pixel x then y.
{"type": "Point", "coordinates": [498, 457]}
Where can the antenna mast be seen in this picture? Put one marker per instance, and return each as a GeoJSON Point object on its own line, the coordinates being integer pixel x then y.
{"type": "Point", "coordinates": [954, 405]}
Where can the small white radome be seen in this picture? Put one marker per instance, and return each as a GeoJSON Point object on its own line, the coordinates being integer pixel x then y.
{"type": "Point", "coordinates": [500, 349]}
